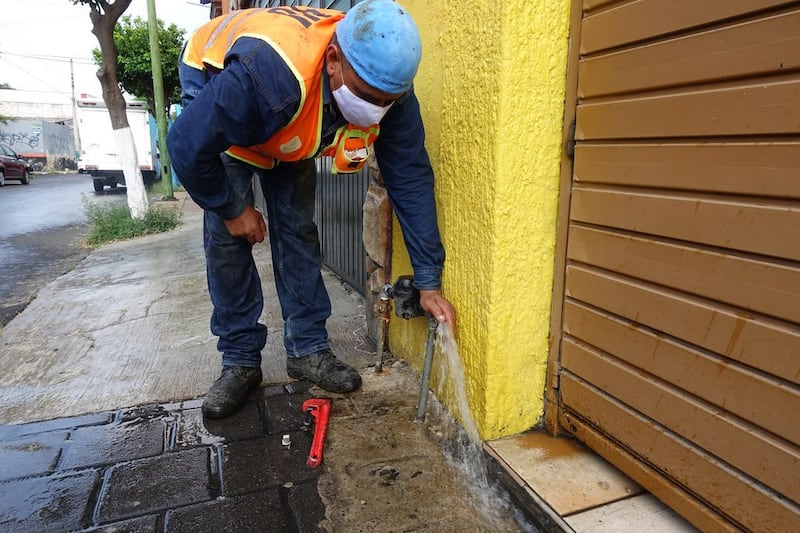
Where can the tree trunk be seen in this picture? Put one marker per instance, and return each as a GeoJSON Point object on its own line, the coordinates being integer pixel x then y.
{"type": "Point", "coordinates": [103, 28]}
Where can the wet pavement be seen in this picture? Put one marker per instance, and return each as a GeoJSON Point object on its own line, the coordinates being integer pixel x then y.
{"type": "Point", "coordinates": [49, 201]}
{"type": "Point", "coordinates": [165, 467]}
{"type": "Point", "coordinates": [162, 468]}
{"type": "Point", "coordinates": [101, 382]}
{"type": "Point", "coordinates": [41, 236]}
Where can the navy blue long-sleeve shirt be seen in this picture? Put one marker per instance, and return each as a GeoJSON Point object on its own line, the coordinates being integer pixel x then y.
{"type": "Point", "coordinates": [256, 95]}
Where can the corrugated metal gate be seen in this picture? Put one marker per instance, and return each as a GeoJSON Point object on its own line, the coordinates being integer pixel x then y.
{"type": "Point", "coordinates": [339, 216]}
{"type": "Point", "coordinates": [679, 356]}
{"type": "Point", "coordinates": [340, 198]}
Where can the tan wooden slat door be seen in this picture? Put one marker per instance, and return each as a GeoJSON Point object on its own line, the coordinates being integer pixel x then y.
{"type": "Point", "coordinates": [679, 348]}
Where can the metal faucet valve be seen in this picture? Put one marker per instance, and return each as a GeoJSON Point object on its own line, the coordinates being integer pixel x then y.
{"type": "Point", "coordinates": [406, 298]}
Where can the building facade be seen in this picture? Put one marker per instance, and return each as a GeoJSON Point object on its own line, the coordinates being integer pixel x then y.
{"type": "Point", "coordinates": [39, 128]}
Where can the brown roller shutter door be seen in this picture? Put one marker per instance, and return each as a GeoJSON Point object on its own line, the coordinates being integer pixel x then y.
{"type": "Point", "coordinates": [678, 327]}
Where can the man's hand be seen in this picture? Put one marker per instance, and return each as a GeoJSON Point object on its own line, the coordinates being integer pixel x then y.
{"type": "Point", "coordinates": [249, 225]}
{"type": "Point", "coordinates": [437, 305]}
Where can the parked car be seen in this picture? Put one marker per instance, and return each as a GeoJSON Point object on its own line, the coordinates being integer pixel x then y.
{"type": "Point", "coordinates": [12, 166]}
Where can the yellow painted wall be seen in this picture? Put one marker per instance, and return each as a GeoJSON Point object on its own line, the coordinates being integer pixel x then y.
{"type": "Point", "coordinates": [491, 86]}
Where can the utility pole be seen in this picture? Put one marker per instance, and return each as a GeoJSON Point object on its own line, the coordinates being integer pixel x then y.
{"type": "Point", "coordinates": [158, 93]}
{"type": "Point", "coordinates": [76, 134]}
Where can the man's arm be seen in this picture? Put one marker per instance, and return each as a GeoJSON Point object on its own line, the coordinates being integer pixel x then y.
{"type": "Point", "coordinates": [407, 173]}
{"type": "Point", "coordinates": [408, 176]}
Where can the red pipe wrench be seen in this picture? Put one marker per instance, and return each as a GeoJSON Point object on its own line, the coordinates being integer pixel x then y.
{"type": "Point", "coordinates": [318, 409]}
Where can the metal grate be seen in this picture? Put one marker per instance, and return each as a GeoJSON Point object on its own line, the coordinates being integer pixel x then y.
{"type": "Point", "coordinates": [339, 216]}
{"type": "Point", "coordinates": [340, 198]}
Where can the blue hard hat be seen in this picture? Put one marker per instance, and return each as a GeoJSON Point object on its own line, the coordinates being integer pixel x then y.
{"type": "Point", "coordinates": [381, 42]}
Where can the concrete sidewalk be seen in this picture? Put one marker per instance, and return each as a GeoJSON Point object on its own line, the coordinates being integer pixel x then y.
{"type": "Point", "coordinates": [100, 380]}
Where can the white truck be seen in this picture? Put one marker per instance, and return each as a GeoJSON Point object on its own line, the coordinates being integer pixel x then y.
{"type": "Point", "coordinates": [99, 155]}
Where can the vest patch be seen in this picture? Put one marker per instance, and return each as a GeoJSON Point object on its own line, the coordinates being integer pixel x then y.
{"type": "Point", "coordinates": [292, 145]}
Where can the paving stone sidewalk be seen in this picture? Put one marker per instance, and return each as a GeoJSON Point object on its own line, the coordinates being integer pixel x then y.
{"type": "Point", "coordinates": [166, 468]}
{"type": "Point", "coordinates": [163, 468]}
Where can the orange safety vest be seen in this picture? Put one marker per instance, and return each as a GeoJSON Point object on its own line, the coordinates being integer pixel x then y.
{"type": "Point", "coordinates": [300, 35]}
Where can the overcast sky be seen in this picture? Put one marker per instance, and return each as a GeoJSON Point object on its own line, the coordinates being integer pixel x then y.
{"type": "Point", "coordinates": [56, 30]}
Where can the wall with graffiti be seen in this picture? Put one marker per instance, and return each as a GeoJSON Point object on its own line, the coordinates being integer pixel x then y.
{"type": "Point", "coordinates": [46, 145]}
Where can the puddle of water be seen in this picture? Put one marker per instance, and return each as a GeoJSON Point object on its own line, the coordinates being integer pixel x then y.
{"type": "Point", "coordinates": [53, 503]}
{"type": "Point", "coordinates": [465, 447]}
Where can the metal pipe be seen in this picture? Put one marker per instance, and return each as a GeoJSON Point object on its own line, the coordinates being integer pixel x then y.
{"type": "Point", "coordinates": [382, 309]}
{"type": "Point", "coordinates": [379, 353]}
{"type": "Point", "coordinates": [426, 368]}
{"type": "Point", "coordinates": [407, 306]}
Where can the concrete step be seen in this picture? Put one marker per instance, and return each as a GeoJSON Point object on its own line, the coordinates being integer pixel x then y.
{"type": "Point", "coordinates": [577, 489]}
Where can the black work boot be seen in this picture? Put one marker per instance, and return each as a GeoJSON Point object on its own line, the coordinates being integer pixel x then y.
{"type": "Point", "coordinates": [229, 392]}
{"type": "Point", "coordinates": [323, 369]}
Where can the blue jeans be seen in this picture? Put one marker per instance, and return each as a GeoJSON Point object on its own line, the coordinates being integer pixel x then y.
{"type": "Point", "coordinates": [233, 281]}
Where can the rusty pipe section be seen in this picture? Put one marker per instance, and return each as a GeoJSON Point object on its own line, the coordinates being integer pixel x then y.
{"type": "Point", "coordinates": [383, 309]}
{"type": "Point", "coordinates": [407, 306]}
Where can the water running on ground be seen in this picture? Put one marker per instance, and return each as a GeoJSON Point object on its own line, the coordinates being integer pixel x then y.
{"type": "Point", "coordinates": [466, 447]}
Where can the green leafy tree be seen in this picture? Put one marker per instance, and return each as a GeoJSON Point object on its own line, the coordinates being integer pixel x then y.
{"type": "Point", "coordinates": [134, 67]}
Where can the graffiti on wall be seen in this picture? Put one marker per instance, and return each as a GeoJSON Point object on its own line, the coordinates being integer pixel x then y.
{"type": "Point", "coordinates": [45, 145]}
{"type": "Point", "coordinates": [21, 141]}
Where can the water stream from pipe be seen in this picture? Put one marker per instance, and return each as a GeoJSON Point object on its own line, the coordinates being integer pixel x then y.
{"type": "Point", "coordinates": [466, 448]}
{"type": "Point", "coordinates": [450, 366]}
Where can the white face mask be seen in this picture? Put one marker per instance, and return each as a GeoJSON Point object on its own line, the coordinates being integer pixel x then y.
{"type": "Point", "coordinates": [355, 110]}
